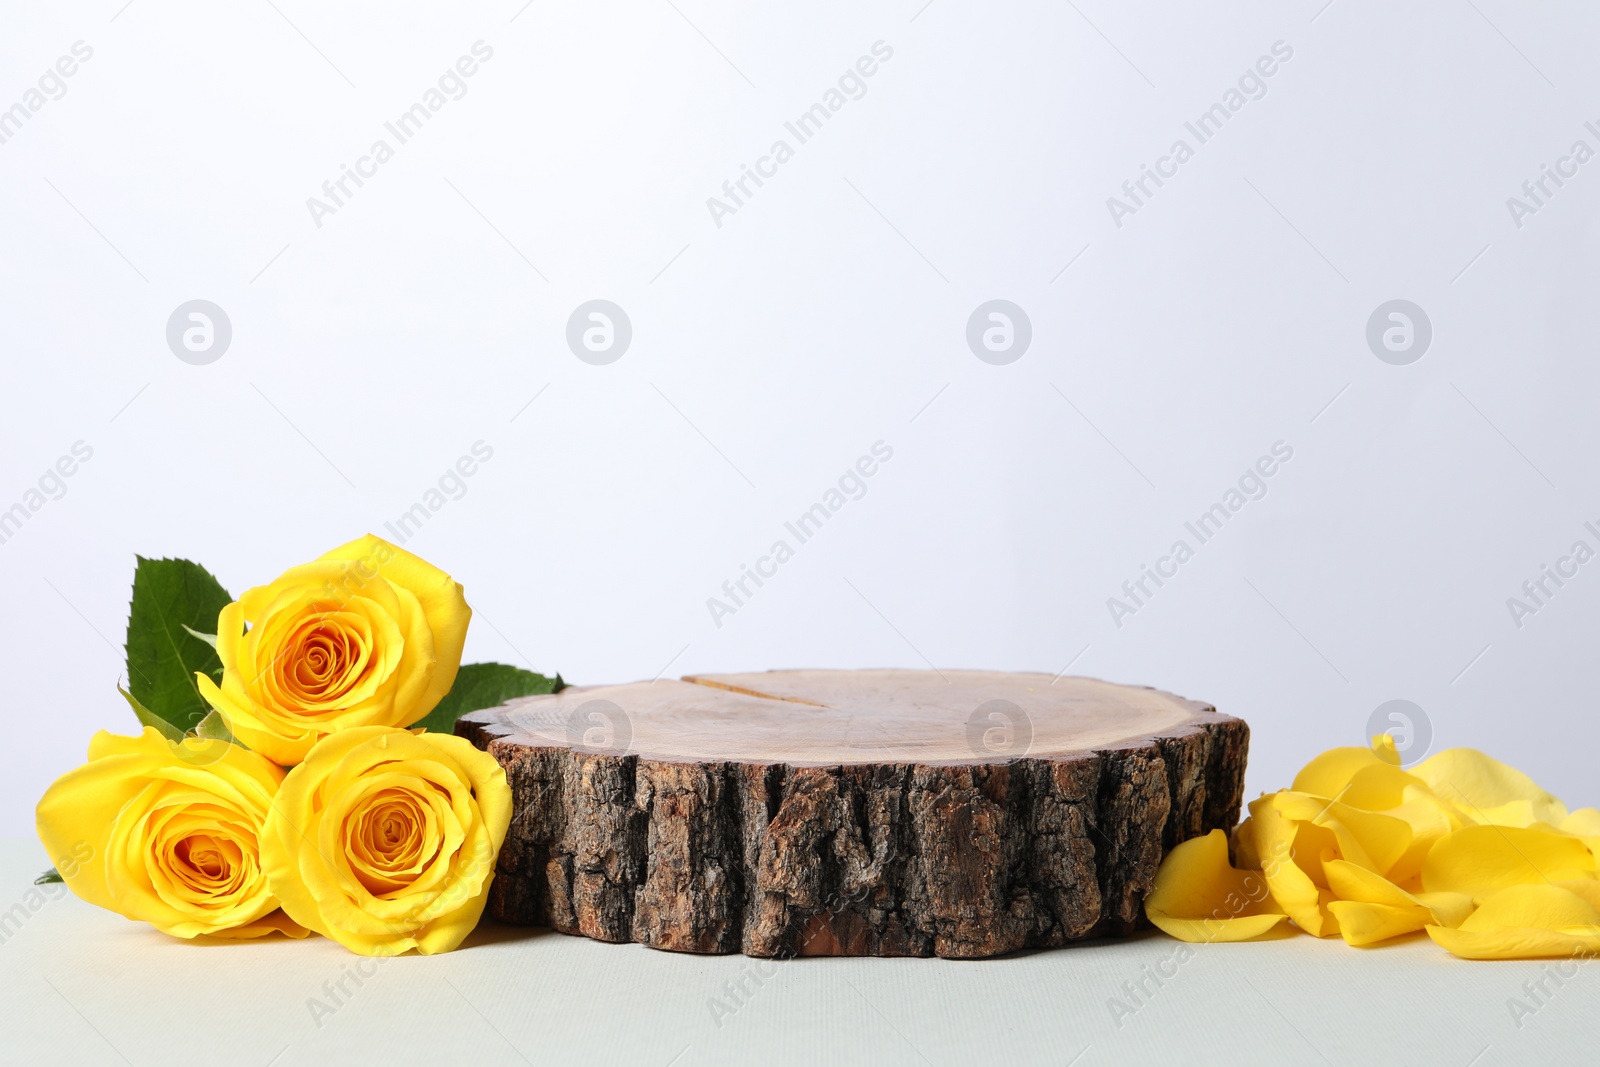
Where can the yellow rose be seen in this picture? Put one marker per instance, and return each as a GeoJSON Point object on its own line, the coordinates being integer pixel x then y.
{"type": "Point", "coordinates": [368, 635]}
{"type": "Point", "coordinates": [167, 833]}
{"type": "Point", "coordinates": [386, 840]}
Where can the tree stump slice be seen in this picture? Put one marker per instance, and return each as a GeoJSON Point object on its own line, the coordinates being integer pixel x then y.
{"type": "Point", "coordinates": [961, 814]}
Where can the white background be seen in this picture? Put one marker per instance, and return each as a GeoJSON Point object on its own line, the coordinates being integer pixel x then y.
{"type": "Point", "coordinates": [830, 312]}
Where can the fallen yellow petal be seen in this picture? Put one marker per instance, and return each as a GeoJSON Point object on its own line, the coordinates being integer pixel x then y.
{"type": "Point", "coordinates": [1244, 846]}
{"type": "Point", "coordinates": [1430, 819]}
{"type": "Point", "coordinates": [1545, 906]}
{"type": "Point", "coordinates": [1449, 909]}
{"type": "Point", "coordinates": [1373, 840]}
{"type": "Point", "coordinates": [1330, 773]}
{"type": "Point", "coordinates": [1371, 908]}
{"type": "Point", "coordinates": [1527, 921]}
{"type": "Point", "coordinates": [1363, 778]}
{"type": "Point", "coordinates": [1461, 846]}
{"type": "Point", "coordinates": [1291, 855]}
{"type": "Point", "coordinates": [1490, 791]}
{"type": "Point", "coordinates": [1481, 860]}
{"type": "Point", "coordinates": [1513, 944]}
{"type": "Point", "coordinates": [1363, 924]}
{"type": "Point", "coordinates": [1353, 882]}
{"type": "Point", "coordinates": [1585, 823]}
{"type": "Point", "coordinates": [1198, 897]}
{"type": "Point", "coordinates": [1586, 889]}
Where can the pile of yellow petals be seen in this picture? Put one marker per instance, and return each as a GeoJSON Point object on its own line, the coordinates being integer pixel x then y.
{"type": "Point", "coordinates": [1461, 846]}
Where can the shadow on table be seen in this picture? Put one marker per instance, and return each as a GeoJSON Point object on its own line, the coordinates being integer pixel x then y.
{"type": "Point", "coordinates": [492, 932]}
{"type": "Point", "coordinates": [488, 932]}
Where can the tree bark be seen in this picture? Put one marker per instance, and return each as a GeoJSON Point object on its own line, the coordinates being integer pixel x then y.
{"type": "Point", "coordinates": [960, 814]}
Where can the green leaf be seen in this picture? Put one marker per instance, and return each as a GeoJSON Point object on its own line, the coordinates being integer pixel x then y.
{"type": "Point", "coordinates": [171, 596]}
{"type": "Point", "coordinates": [210, 639]}
{"type": "Point", "coordinates": [215, 728]}
{"type": "Point", "coordinates": [485, 685]}
{"type": "Point", "coordinates": [147, 717]}
{"type": "Point", "coordinates": [49, 877]}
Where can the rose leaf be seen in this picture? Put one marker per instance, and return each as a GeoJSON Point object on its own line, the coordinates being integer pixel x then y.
{"type": "Point", "coordinates": [485, 685]}
{"type": "Point", "coordinates": [172, 599]}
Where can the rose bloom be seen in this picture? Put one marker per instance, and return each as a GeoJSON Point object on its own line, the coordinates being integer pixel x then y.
{"type": "Point", "coordinates": [385, 841]}
{"type": "Point", "coordinates": [368, 635]}
{"type": "Point", "coordinates": [168, 833]}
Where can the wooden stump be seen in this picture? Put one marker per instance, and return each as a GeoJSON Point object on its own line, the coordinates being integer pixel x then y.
{"type": "Point", "coordinates": [884, 813]}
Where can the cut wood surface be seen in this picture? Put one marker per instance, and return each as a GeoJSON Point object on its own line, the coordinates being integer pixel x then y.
{"type": "Point", "coordinates": [876, 812]}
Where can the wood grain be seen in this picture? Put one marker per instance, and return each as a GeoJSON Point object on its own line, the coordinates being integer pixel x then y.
{"type": "Point", "coordinates": [962, 814]}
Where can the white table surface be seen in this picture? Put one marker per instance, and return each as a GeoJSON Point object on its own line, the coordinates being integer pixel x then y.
{"type": "Point", "coordinates": [83, 986]}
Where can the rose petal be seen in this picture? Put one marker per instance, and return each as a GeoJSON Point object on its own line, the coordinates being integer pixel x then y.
{"type": "Point", "coordinates": [1354, 882]}
{"type": "Point", "coordinates": [1368, 778]}
{"type": "Point", "coordinates": [1329, 773]}
{"type": "Point", "coordinates": [275, 923]}
{"type": "Point", "coordinates": [1521, 944]}
{"type": "Point", "coordinates": [439, 595]}
{"type": "Point", "coordinates": [1363, 924]}
{"type": "Point", "coordinates": [1289, 851]}
{"type": "Point", "coordinates": [1584, 823]}
{"type": "Point", "coordinates": [1372, 908]}
{"type": "Point", "coordinates": [1490, 791]}
{"type": "Point", "coordinates": [1480, 860]}
{"type": "Point", "coordinates": [1371, 839]}
{"type": "Point", "coordinates": [1430, 820]}
{"type": "Point", "coordinates": [1198, 897]}
{"type": "Point", "coordinates": [1244, 846]}
{"type": "Point", "coordinates": [1527, 921]}
{"type": "Point", "coordinates": [1543, 906]}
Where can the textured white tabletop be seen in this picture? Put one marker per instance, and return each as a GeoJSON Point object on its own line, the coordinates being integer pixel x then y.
{"type": "Point", "coordinates": [83, 986]}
